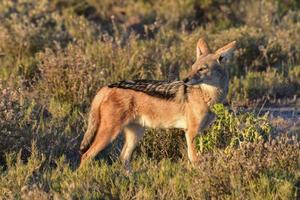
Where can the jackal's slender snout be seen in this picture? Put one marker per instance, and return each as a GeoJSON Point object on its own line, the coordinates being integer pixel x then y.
{"type": "Point", "coordinates": [192, 80]}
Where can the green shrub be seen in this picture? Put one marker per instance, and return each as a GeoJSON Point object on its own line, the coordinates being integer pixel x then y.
{"type": "Point", "coordinates": [231, 130]}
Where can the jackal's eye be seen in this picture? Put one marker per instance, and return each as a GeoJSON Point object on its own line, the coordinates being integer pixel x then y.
{"type": "Point", "coordinates": [200, 70]}
{"type": "Point", "coordinates": [203, 67]}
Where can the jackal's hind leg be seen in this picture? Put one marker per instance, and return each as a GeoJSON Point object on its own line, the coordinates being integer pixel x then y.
{"type": "Point", "coordinates": [133, 134]}
{"type": "Point", "coordinates": [104, 136]}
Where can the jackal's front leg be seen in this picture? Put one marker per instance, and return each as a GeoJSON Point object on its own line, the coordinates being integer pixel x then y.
{"type": "Point", "coordinates": [190, 136]}
{"type": "Point", "coordinates": [133, 134]}
{"type": "Point", "coordinates": [197, 126]}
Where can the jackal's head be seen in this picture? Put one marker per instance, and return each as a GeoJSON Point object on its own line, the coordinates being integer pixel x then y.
{"type": "Point", "coordinates": [209, 67]}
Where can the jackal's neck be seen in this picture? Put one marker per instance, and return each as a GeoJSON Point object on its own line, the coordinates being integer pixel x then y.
{"type": "Point", "coordinates": [214, 94]}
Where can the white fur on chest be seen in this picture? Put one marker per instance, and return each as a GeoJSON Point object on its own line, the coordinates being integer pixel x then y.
{"type": "Point", "coordinates": [213, 92]}
{"type": "Point", "coordinates": [179, 122]}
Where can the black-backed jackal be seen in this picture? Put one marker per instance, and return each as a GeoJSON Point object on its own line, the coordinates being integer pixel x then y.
{"type": "Point", "coordinates": [129, 106]}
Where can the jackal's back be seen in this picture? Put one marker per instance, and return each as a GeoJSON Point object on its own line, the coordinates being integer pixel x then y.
{"type": "Point", "coordinates": [157, 88]}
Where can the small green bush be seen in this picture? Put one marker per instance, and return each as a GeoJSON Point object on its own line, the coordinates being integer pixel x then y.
{"type": "Point", "coordinates": [231, 130]}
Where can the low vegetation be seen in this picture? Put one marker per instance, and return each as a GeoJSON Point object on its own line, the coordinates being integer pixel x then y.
{"type": "Point", "coordinates": [55, 55]}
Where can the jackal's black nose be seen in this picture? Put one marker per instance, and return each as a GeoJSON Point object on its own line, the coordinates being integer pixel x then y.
{"type": "Point", "coordinates": [186, 80]}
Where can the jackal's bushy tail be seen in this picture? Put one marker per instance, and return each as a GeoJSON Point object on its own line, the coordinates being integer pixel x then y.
{"type": "Point", "coordinates": [93, 124]}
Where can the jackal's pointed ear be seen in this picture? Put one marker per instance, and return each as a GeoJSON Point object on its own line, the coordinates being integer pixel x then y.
{"type": "Point", "coordinates": [202, 48]}
{"type": "Point", "coordinates": [225, 53]}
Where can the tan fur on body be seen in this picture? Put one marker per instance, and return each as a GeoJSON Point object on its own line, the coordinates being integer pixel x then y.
{"type": "Point", "coordinates": [129, 106]}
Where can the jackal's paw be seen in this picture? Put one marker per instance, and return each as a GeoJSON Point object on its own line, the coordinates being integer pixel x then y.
{"type": "Point", "coordinates": [127, 168]}
{"type": "Point", "coordinates": [195, 161]}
